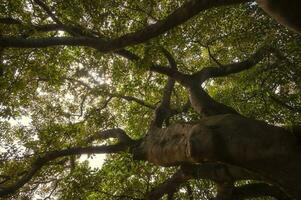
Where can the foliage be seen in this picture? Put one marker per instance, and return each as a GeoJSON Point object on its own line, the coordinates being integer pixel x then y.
{"type": "Point", "coordinates": [69, 93]}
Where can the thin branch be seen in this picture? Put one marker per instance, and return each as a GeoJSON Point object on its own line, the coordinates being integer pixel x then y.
{"type": "Point", "coordinates": [131, 98]}
{"type": "Point", "coordinates": [48, 11]}
{"type": "Point", "coordinates": [17, 42]}
{"type": "Point", "coordinates": [284, 104]}
{"type": "Point", "coordinates": [113, 133]}
{"type": "Point", "coordinates": [179, 16]}
{"type": "Point", "coordinates": [236, 67]}
{"type": "Point", "coordinates": [213, 58]}
{"type": "Point", "coordinates": [53, 189]}
{"type": "Point", "coordinates": [113, 95]}
{"type": "Point", "coordinates": [72, 30]}
{"type": "Point", "coordinates": [42, 160]}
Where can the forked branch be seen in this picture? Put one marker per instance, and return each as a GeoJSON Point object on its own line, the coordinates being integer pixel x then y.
{"type": "Point", "coordinates": [199, 98]}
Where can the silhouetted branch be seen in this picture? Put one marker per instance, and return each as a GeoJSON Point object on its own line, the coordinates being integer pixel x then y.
{"type": "Point", "coordinates": [131, 98]}
{"type": "Point", "coordinates": [255, 190]}
{"type": "Point", "coordinates": [45, 158]}
{"type": "Point", "coordinates": [236, 67]}
{"type": "Point", "coordinates": [43, 5]}
{"type": "Point", "coordinates": [213, 58]}
{"type": "Point", "coordinates": [9, 20]}
{"type": "Point", "coordinates": [113, 133]}
{"type": "Point", "coordinates": [111, 94]}
{"type": "Point", "coordinates": [289, 107]}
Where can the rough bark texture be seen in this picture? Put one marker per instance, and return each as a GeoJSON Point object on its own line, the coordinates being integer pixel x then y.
{"type": "Point", "coordinates": [271, 152]}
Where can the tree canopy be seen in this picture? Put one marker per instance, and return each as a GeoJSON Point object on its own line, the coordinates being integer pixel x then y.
{"type": "Point", "coordinates": [187, 99]}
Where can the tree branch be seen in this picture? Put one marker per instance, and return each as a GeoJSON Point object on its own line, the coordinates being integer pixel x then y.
{"type": "Point", "coordinates": [221, 173]}
{"type": "Point", "coordinates": [9, 20]}
{"type": "Point", "coordinates": [179, 16]}
{"type": "Point", "coordinates": [163, 111]}
{"type": "Point", "coordinates": [236, 67]}
{"type": "Point", "coordinates": [72, 30]}
{"type": "Point", "coordinates": [42, 160]}
{"type": "Point", "coordinates": [255, 190]}
{"type": "Point", "coordinates": [201, 101]}
{"type": "Point", "coordinates": [199, 98]}
{"type": "Point", "coordinates": [131, 98]}
{"type": "Point", "coordinates": [113, 133]}
{"type": "Point", "coordinates": [218, 172]}
{"type": "Point", "coordinates": [284, 104]}
{"type": "Point", "coordinates": [171, 185]}
{"type": "Point", "coordinates": [213, 58]}
{"type": "Point", "coordinates": [110, 94]}
{"type": "Point", "coordinates": [224, 191]}
{"type": "Point", "coordinates": [48, 11]}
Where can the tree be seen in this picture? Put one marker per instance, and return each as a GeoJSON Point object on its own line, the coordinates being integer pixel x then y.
{"type": "Point", "coordinates": [196, 99]}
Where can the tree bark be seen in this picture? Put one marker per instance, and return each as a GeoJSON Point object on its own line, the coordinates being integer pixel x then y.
{"type": "Point", "coordinates": [269, 151]}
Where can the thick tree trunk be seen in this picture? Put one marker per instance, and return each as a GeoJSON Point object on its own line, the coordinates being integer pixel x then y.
{"type": "Point", "coordinates": [269, 151]}
{"type": "Point", "coordinates": [286, 12]}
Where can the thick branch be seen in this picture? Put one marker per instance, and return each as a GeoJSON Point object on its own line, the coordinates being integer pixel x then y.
{"type": "Point", "coordinates": [255, 190]}
{"type": "Point", "coordinates": [200, 100]}
{"type": "Point", "coordinates": [169, 186]}
{"type": "Point", "coordinates": [226, 174]}
{"type": "Point", "coordinates": [163, 111]}
{"type": "Point", "coordinates": [219, 172]}
{"type": "Point", "coordinates": [171, 72]}
{"type": "Point", "coordinates": [9, 20]}
{"type": "Point", "coordinates": [224, 190]}
{"type": "Point", "coordinates": [179, 16]}
{"type": "Point", "coordinates": [205, 104]}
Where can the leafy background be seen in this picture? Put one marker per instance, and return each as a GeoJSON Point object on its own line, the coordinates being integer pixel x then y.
{"type": "Point", "coordinates": [69, 93]}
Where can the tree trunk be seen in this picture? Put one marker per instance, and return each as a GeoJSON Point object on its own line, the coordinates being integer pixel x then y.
{"type": "Point", "coordinates": [271, 152]}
